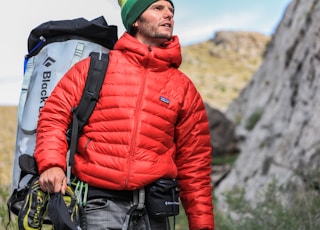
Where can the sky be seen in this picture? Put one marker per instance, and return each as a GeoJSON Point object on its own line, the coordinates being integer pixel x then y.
{"type": "Point", "coordinates": [195, 21]}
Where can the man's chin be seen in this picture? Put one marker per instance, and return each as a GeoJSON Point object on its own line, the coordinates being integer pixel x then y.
{"type": "Point", "coordinates": [163, 40]}
{"type": "Point", "coordinates": [164, 36]}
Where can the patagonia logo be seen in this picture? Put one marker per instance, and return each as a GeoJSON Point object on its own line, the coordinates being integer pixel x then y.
{"type": "Point", "coordinates": [165, 100]}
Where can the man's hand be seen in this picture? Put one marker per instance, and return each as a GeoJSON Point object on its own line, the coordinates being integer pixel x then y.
{"type": "Point", "coordinates": [53, 180]}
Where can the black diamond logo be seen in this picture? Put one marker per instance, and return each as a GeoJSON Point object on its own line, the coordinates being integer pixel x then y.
{"type": "Point", "coordinates": [48, 62]}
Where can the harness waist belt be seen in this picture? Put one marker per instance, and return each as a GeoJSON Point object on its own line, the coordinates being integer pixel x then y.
{"type": "Point", "coordinates": [94, 192]}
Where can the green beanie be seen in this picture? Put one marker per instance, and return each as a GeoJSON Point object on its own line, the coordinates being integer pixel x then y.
{"type": "Point", "coordinates": [132, 9]}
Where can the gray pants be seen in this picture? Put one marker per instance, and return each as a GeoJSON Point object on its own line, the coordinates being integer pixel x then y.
{"type": "Point", "coordinates": [109, 214]}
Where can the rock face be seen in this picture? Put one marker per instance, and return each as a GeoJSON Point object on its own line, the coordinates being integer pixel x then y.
{"type": "Point", "coordinates": [278, 112]}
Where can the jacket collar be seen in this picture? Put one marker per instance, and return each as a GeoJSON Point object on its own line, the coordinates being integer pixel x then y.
{"type": "Point", "coordinates": [156, 58]}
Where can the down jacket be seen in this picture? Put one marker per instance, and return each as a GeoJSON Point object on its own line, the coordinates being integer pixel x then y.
{"type": "Point", "coordinates": [149, 123]}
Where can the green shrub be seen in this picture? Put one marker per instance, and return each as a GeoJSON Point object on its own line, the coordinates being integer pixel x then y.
{"type": "Point", "coordinates": [253, 120]}
{"type": "Point", "coordinates": [303, 213]}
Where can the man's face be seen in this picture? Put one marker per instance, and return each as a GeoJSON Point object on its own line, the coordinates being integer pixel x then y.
{"type": "Point", "coordinates": [155, 25]}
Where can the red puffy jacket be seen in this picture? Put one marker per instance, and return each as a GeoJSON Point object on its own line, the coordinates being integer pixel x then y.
{"type": "Point", "coordinates": [149, 123]}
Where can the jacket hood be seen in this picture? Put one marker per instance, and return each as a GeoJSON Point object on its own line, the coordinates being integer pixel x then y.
{"type": "Point", "coordinates": [154, 57]}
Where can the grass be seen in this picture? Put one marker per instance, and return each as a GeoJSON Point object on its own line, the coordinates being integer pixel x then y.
{"type": "Point", "coordinates": [223, 160]}
{"type": "Point", "coordinates": [8, 124]}
{"type": "Point", "coordinates": [4, 218]}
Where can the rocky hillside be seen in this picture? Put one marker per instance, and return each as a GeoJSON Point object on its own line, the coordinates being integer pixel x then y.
{"type": "Point", "coordinates": [277, 113]}
{"type": "Point", "coordinates": [222, 66]}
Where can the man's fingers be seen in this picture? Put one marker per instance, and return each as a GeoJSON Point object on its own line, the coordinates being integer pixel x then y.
{"type": "Point", "coordinates": [63, 186]}
{"type": "Point", "coordinates": [45, 185]}
{"type": "Point", "coordinates": [53, 180]}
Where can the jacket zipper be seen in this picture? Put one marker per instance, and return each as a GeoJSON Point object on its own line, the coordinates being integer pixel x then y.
{"type": "Point", "coordinates": [136, 119]}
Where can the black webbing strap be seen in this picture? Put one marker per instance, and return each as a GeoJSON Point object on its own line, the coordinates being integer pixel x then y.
{"type": "Point", "coordinates": [97, 71]}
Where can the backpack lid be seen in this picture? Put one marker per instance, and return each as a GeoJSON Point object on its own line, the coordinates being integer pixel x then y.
{"type": "Point", "coordinates": [96, 30]}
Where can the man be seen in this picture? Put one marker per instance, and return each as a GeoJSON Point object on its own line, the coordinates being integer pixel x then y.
{"type": "Point", "coordinates": [149, 123]}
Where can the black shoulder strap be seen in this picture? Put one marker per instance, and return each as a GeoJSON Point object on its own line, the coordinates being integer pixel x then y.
{"type": "Point", "coordinates": [96, 74]}
{"type": "Point", "coordinates": [97, 71]}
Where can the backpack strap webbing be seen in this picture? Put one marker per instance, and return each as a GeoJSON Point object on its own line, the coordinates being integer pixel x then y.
{"type": "Point", "coordinates": [81, 113]}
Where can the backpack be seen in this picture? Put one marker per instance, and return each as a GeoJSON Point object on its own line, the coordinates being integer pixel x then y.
{"type": "Point", "coordinates": [53, 47]}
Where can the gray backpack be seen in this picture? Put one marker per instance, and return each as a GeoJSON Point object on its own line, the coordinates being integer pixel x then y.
{"type": "Point", "coordinates": [54, 47]}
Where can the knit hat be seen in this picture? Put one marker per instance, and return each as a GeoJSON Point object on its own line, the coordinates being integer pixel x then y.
{"type": "Point", "coordinates": [132, 9]}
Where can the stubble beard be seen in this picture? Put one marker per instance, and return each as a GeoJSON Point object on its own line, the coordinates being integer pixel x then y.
{"type": "Point", "coordinates": [152, 32]}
